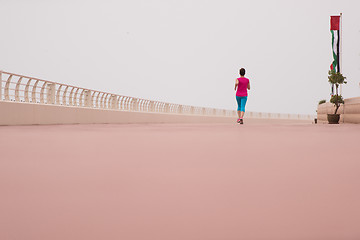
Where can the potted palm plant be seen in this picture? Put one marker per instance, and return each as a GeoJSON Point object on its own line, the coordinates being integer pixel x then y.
{"type": "Point", "coordinates": [336, 79]}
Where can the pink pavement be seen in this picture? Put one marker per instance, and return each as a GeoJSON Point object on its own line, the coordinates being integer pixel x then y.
{"type": "Point", "coordinates": [180, 182]}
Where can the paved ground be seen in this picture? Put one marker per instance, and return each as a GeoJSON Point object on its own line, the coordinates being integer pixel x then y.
{"type": "Point", "coordinates": [180, 182]}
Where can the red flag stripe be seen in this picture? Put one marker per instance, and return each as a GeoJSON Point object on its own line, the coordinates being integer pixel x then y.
{"type": "Point", "coordinates": [335, 23]}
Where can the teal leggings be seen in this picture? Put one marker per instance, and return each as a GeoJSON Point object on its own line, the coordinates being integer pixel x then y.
{"type": "Point", "coordinates": [241, 101]}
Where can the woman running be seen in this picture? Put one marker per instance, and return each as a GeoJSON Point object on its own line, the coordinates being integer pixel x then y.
{"type": "Point", "coordinates": [242, 84]}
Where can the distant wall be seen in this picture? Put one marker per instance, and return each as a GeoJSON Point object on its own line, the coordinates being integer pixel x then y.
{"type": "Point", "coordinates": [350, 111]}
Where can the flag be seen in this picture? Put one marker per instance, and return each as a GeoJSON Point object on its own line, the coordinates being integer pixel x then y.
{"type": "Point", "coordinates": [335, 33]}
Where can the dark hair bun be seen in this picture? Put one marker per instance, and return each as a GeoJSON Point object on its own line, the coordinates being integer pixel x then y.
{"type": "Point", "coordinates": [242, 71]}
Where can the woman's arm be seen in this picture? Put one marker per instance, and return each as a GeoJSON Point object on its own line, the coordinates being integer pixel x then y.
{"type": "Point", "coordinates": [236, 83]}
{"type": "Point", "coordinates": [248, 85]}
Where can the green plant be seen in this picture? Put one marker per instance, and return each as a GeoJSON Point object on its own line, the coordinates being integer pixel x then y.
{"type": "Point", "coordinates": [336, 99]}
{"type": "Point", "coordinates": [336, 78]}
{"type": "Point", "coordinates": [322, 101]}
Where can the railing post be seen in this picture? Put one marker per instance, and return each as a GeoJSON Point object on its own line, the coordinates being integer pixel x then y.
{"type": "Point", "coordinates": [180, 109]}
{"type": "Point", "coordinates": [50, 94]}
{"type": "Point", "coordinates": [134, 104]}
{"type": "Point", "coordinates": [7, 86]}
{"type": "Point", "coordinates": [117, 102]}
{"type": "Point", "coordinates": [113, 102]}
{"type": "Point", "coordinates": [151, 106]}
{"type": "Point", "coordinates": [17, 94]}
{"type": "Point", "coordinates": [88, 99]}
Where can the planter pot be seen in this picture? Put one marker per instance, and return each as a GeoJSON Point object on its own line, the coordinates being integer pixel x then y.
{"type": "Point", "coordinates": [333, 118]}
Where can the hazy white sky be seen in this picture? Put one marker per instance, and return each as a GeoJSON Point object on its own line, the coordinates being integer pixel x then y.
{"type": "Point", "coordinates": [184, 51]}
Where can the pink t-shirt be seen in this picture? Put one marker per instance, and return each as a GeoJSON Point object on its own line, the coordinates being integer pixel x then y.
{"type": "Point", "coordinates": [242, 87]}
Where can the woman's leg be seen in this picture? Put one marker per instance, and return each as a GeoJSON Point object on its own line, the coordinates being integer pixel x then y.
{"type": "Point", "coordinates": [242, 106]}
{"type": "Point", "coordinates": [238, 100]}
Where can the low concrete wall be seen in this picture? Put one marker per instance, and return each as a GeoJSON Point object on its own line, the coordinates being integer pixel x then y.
{"type": "Point", "coordinates": [350, 111]}
{"type": "Point", "coordinates": [15, 113]}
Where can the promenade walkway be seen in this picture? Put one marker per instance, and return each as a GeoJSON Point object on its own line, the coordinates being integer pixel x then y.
{"type": "Point", "coordinates": [261, 180]}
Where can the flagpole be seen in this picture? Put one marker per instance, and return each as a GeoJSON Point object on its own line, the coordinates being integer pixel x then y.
{"type": "Point", "coordinates": [341, 66]}
{"type": "Point", "coordinates": [340, 52]}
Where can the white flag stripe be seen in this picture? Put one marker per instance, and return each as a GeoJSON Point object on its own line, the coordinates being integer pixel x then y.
{"type": "Point", "coordinates": [335, 42]}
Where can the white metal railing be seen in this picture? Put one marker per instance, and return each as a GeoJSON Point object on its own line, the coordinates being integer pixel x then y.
{"type": "Point", "coordinates": [19, 88]}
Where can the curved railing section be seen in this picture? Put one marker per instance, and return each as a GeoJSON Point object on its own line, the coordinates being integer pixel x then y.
{"type": "Point", "coordinates": [19, 88]}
